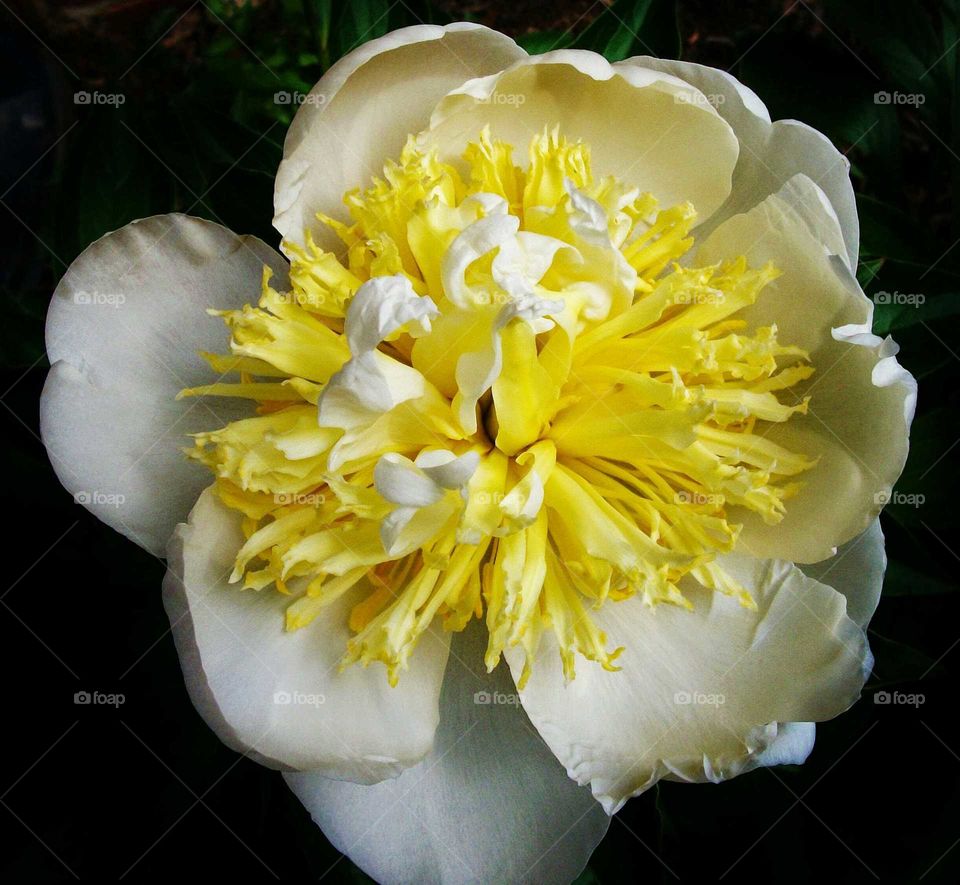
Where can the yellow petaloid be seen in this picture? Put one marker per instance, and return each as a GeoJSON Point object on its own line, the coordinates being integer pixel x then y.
{"type": "Point", "coordinates": [507, 401]}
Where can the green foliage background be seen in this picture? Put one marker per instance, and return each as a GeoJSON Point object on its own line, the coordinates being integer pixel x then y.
{"type": "Point", "coordinates": [200, 132]}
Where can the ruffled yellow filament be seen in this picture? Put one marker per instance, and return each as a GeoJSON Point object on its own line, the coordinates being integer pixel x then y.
{"type": "Point", "coordinates": [618, 431]}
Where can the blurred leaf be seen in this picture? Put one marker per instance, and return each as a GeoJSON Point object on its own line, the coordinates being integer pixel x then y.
{"type": "Point", "coordinates": [587, 877]}
{"type": "Point", "coordinates": [363, 20]}
{"type": "Point", "coordinates": [901, 36]}
{"type": "Point", "coordinates": [538, 42]}
{"type": "Point", "coordinates": [867, 271]}
{"type": "Point", "coordinates": [633, 27]}
{"type": "Point", "coordinates": [884, 233]}
{"type": "Point", "coordinates": [900, 310]}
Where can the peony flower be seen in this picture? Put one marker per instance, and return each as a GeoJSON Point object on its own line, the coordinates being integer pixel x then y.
{"type": "Point", "coordinates": [544, 463]}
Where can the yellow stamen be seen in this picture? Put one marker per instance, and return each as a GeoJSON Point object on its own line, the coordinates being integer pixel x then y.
{"type": "Point", "coordinates": [543, 414]}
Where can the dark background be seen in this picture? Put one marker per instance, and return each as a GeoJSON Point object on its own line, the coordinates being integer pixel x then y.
{"type": "Point", "coordinates": [146, 790]}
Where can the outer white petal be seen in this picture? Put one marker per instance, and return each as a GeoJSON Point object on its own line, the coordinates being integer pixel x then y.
{"type": "Point", "coordinates": [862, 400]}
{"type": "Point", "coordinates": [361, 111]}
{"type": "Point", "coordinates": [278, 696]}
{"type": "Point", "coordinates": [700, 693]}
{"type": "Point", "coordinates": [124, 330]}
{"type": "Point", "coordinates": [856, 570]}
{"type": "Point", "coordinates": [489, 804]}
{"type": "Point", "coordinates": [770, 153]}
{"type": "Point", "coordinates": [791, 744]}
{"type": "Point", "coordinates": [649, 129]}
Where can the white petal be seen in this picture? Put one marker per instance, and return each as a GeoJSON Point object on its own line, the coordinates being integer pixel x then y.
{"type": "Point", "coordinates": [700, 693]}
{"type": "Point", "coordinates": [522, 261]}
{"type": "Point", "coordinates": [399, 481]}
{"type": "Point", "coordinates": [862, 400]}
{"type": "Point", "coordinates": [649, 129]}
{"type": "Point", "coordinates": [362, 110]}
{"type": "Point", "coordinates": [589, 218]}
{"type": "Point", "coordinates": [278, 696]}
{"type": "Point", "coordinates": [124, 330]}
{"type": "Point", "coordinates": [792, 745]}
{"type": "Point", "coordinates": [382, 306]}
{"type": "Point", "coordinates": [489, 804]}
{"type": "Point", "coordinates": [475, 373]}
{"type": "Point", "coordinates": [770, 153]}
{"type": "Point", "coordinates": [406, 529]}
{"type": "Point", "coordinates": [449, 471]}
{"type": "Point", "coordinates": [367, 386]}
{"type": "Point", "coordinates": [856, 570]}
{"type": "Point", "coordinates": [371, 382]}
{"type": "Point", "coordinates": [477, 239]}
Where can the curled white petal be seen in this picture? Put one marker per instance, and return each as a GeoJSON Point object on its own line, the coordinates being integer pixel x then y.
{"type": "Point", "coordinates": [420, 490]}
{"type": "Point", "coordinates": [371, 383]}
{"type": "Point", "coordinates": [385, 305]}
{"type": "Point", "coordinates": [398, 480]}
{"type": "Point", "coordinates": [474, 241]}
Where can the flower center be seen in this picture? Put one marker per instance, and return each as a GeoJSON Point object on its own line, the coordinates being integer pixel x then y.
{"type": "Point", "coordinates": [506, 400]}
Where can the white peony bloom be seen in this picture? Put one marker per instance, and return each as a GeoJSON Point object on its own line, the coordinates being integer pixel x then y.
{"type": "Point", "coordinates": [564, 363]}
